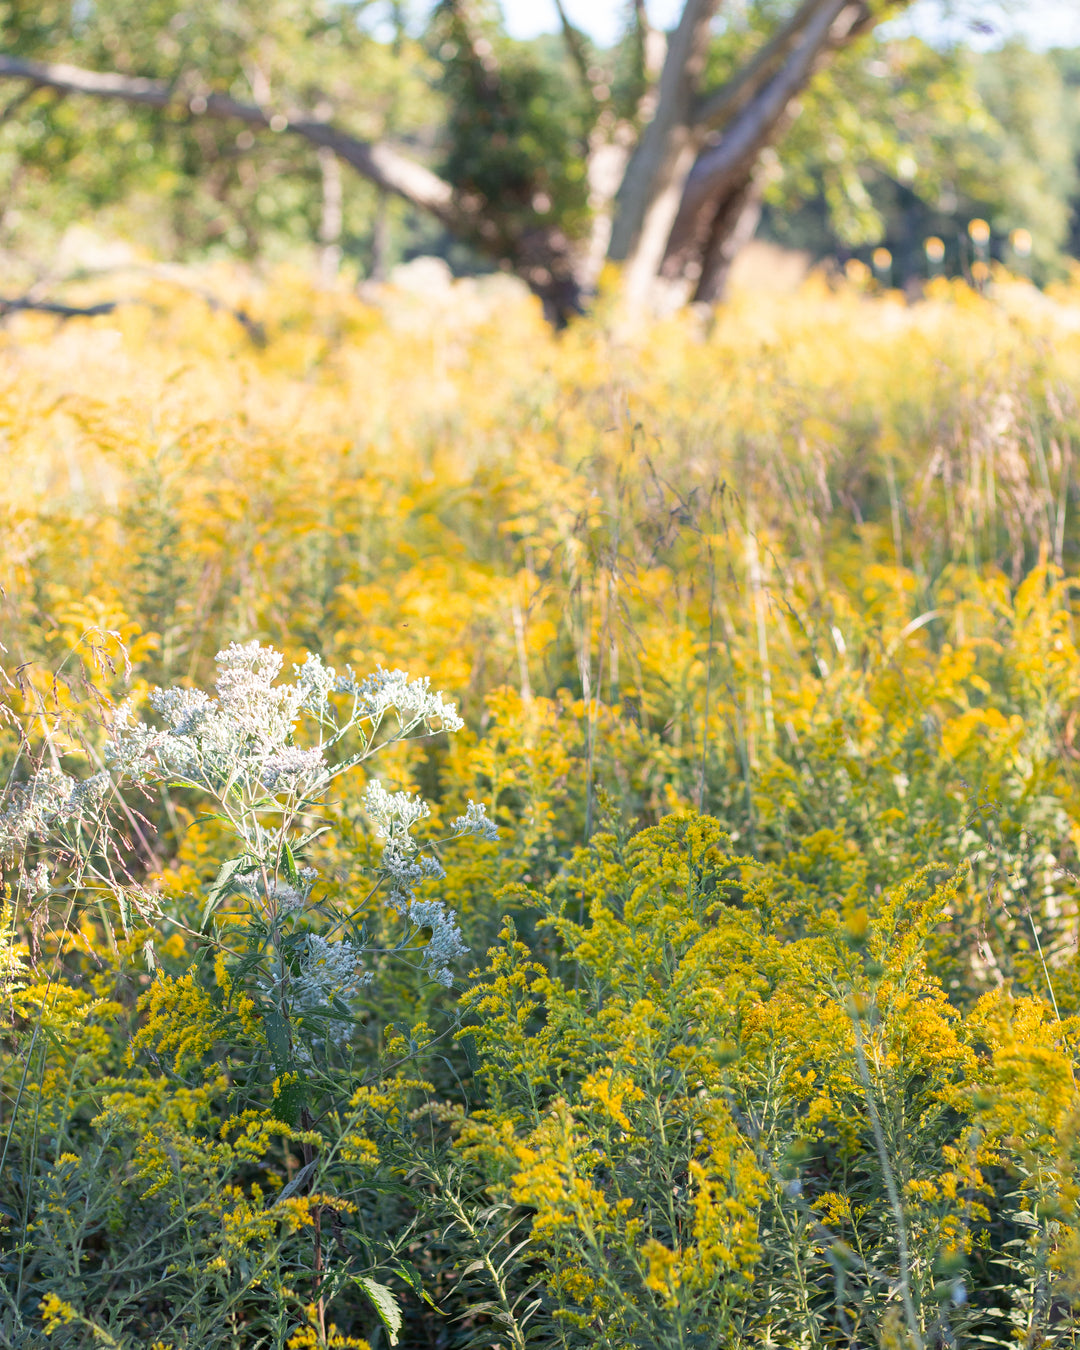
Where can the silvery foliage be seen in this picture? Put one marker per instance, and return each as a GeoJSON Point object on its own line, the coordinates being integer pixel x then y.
{"type": "Point", "coordinates": [238, 746]}
{"type": "Point", "coordinates": [403, 867]}
{"type": "Point", "coordinates": [475, 821]}
{"type": "Point", "coordinates": [46, 804]}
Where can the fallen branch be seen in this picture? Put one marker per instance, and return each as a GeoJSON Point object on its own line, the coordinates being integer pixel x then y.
{"type": "Point", "coordinates": [9, 305]}
{"type": "Point", "coordinates": [25, 303]}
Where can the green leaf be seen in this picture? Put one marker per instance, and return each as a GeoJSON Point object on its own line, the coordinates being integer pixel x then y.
{"type": "Point", "coordinates": [301, 1179]}
{"type": "Point", "coordinates": [292, 874]}
{"type": "Point", "coordinates": [290, 1102]}
{"type": "Point", "coordinates": [468, 1044]}
{"type": "Point", "coordinates": [277, 1038]}
{"type": "Point", "coordinates": [412, 1277]}
{"type": "Point", "coordinates": [385, 1304]}
{"type": "Point", "coordinates": [221, 887]}
{"type": "Point", "coordinates": [314, 834]}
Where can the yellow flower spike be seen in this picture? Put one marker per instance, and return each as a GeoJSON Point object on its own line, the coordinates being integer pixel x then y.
{"type": "Point", "coordinates": [55, 1313]}
{"type": "Point", "coordinates": [181, 1020]}
{"type": "Point", "coordinates": [662, 1269]}
{"type": "Point", "coordinates": [309, 1337]}
{"type": "Point", "coordinates": [609, 1093]}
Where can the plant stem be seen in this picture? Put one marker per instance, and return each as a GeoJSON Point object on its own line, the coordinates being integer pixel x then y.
{"type": "Point", "coordinates": [890, 1186]}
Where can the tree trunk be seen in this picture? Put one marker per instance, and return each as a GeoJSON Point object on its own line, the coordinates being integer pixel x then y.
{"type": "Point", "coordinates": [732, 157]}
{"type": "Point", "coordinates": [648, 200]}
{"type": "Point", "coordinates": [330, 222]}
{"type": "Point", "coordinates": [734, 225]}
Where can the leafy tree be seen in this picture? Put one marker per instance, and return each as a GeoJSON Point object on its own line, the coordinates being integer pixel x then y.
{"type": "Point", "coordinates": [219, 182]}
{"type": "Point", "coordinates": [651, 158]}
{"type": "Point", "coordinates": [908, 142]}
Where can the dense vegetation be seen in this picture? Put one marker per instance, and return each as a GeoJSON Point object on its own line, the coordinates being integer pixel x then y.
{"type": "Point", "coordinates": [762, 638]}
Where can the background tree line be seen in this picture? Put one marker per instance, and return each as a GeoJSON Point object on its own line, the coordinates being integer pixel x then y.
{"type": "Point", "coordinates": [375, 133]}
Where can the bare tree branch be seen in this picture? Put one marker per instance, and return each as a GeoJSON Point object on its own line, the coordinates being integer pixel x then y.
{"type": "Point", "coordinates": [14, 304]}
{"type": "Point", "coordinates": [376, 161]}
{"type": "Point", "coordinates": [575, 46]}
{"type": "Point", "coordinates": [25, 303]}
{"type": "Point", "coordinates": [653, 187]}
{"type": "Point", "coordinates": [728, 162]}
{"type": "Point", "coordinates": [719, 105]}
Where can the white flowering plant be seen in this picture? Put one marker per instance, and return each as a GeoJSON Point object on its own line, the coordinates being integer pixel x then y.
{"type": "Point", "coordinates": [263, 754]}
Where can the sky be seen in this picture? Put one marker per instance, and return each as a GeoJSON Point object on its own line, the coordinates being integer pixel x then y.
{"type": "Point", "coordinates": [1044, 23]}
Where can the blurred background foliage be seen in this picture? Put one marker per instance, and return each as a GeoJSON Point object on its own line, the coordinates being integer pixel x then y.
{"type": "Point", "coordinates": [897, 140]}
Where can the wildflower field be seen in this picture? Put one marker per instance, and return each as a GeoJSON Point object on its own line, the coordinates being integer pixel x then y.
{"type": "Point", "coordinates": [683, 953]}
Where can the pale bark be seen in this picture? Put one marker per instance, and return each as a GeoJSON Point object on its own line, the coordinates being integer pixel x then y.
{"type": "Point", "coordinates": [332, 217]}
{"type": "Point", "coordinates": [732, 229]}
{"type": "Point", "coordinates": [649, 198]}
{"type": "Point", "coordinates": [610, 147]}
{"type": "Point", "coordinates": [608, 159]}
{"type": "Point", "coordinates": [722, 104]}
{"type": "Point", "coordinates": [722, 166]}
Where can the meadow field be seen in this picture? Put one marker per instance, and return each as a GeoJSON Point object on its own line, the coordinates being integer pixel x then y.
{"type": "Point", "coordinates": [692, 962]}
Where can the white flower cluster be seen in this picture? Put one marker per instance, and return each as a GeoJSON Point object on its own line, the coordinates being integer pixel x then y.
{"type": "Point", "coordinates": [294, 770]}
{"type": "Point", "coordinates": [393, 813]}
{"type": "Point", "coordinates": [237, 743]}
{"type": "Point", "coordinates": [403, 867]}
{"type": "Point", "coordinates": [475, 821]}
{"type": "Point", "coordinates": [412, 700]}
{"type": "Point", "coordinates": [445, 944]}
{"type": "Point", "coordinates": [46, 801]}
{"type": "Point", "coordinates": [316, 683]}
{"type": "Point", "coordinates": [328, 970]}
{"type": "Point", "coordinates": [286, 898]}
{"type": "Point", "coordinates": [246, 731]}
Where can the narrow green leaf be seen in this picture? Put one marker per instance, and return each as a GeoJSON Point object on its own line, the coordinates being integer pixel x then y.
{"type": "Point", "coordinates": [292, 874]}
{"type": "Point", "coordinates": [277, 1038]}
{"type": "Point", "coordinates": [221, 887]}
{"type": "Point", "coordinates": [385, 1304]}
{"type": "Point", "coordinates": [312, 835]}
{"type": "Point", "coordinates": [468, 1044]}
{"type": "Point", "coordinates": [301, 1179]}
{"type": "Point", "coordinates": [412, 1277]}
